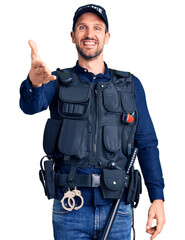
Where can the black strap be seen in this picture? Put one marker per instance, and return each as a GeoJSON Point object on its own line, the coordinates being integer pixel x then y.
{"type": "Point", "coordinates": [138, 188]}
{"type": "Point", "coordinates": [134, 232]}
{"type": "Point", "coordinates": [41, 176]}
{"type": "Point", "coordinates": [78, 180]}
{"type": "Point", "coordinates": [71, 176]}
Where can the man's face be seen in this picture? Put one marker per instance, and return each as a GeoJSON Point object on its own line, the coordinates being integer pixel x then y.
{"type": "Point", "coordinates": [90, 35]}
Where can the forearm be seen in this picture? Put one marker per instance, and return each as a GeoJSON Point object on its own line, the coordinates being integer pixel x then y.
{"type": "Point", "coordinates": [34, 100]}
{"type": "Point", "coordinates": [152, 172]}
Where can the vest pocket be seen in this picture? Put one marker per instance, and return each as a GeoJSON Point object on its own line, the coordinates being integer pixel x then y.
{"type": "Point", "coordinates": [112, 141]}
{"type": "Point", "coordinates": [72, 137]}
{"type": "Point", "coordinates": [51, 135]}
{"type": "Point", "coordinates": [74, 101]}
{"type": "Point", "coordinates": [128, 102]}
{"type": "Point", "coordinates": [111, 138]}
{"type": "Point", "coordinates": [111, 99]}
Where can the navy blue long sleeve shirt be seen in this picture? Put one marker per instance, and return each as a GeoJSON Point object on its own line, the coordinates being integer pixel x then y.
{"type": "Point", "coordinates": [34, 100]}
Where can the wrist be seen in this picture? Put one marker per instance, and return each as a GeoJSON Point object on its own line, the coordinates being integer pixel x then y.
{"type": "Point", "coordinates": [158, 201]}
{"type": "Point", "coordinates": [36, 85]}
{"type": "Point", "coordinates": [32, 82]}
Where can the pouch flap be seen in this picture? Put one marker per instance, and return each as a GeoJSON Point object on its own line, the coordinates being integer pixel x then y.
{"type": "Point", "coordinates": [111, 138]}
{"type": "Point", "coordinates": [74, 94]}
{"type": "Point", "coordinates": [113, 179]}
{"type": "Point", "coordinates": [128, 102]}
{"type": "Point", "coordinates": [128, 96]}
{"type": "Point", "coordinates": [71, 136]}
{"type": "Point", "coordinates": [111, 98]}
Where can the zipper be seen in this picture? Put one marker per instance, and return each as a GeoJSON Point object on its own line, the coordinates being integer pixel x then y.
{"type": "Point", "coordinates": [96, 125]}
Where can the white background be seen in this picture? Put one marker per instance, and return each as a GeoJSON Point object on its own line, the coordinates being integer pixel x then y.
{"type": "Point", "coordinates": [147, 39]}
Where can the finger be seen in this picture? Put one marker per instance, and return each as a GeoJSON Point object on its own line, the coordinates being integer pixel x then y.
{"type": "Point", "coordinates": [154, 234]}
{"type": "Point", "coordinates": [46, 77]}
{"type": "Point", "coordinates": [157, 231]}
{"type": "Point", "coordinates": [151, 230]}
{"type": "Point", "coordinates": [50, 78]}
{"type": "Point", "coordinates": [34, 50]}
{"type": "Point", "coordinates": [46, 73]}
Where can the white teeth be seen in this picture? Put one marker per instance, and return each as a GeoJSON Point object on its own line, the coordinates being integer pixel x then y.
{"type": "Point", "coordinates": [89, 43]}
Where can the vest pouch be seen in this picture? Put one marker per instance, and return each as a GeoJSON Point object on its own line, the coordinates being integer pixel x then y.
{"type": "Point", "coordinates": [112, 183]}
{"type": "Point", "coordinates": [127, 97]}
{"type": "Point", "coordinates": [111, 98]}
{"type": "Point", "coordinates": [135, 188]}
{"type": "Point", "coordinates": [71, 138]}
{"type": "Point", "coordinates": [51, 133]}
{"type": "Point", "coordinates": [74, 101]}
{"type": "Point", "coordinates": [112, 142]}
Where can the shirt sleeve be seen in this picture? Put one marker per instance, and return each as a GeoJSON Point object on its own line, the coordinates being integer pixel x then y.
{"type": "Point", "coordinates": [147, 143]}
{"type": "Point", "coordinates": [34, 100]}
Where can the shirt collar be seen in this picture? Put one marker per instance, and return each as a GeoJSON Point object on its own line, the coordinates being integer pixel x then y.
{"type": "Point", "coordinates": [85, 71]}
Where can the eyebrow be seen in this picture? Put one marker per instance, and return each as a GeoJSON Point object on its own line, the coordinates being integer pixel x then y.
{"type": "Point", "coordinates": [96, 24]}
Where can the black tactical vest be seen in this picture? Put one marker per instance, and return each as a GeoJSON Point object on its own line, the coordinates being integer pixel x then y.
{"type": "Point", "coordinates": [91, 124]}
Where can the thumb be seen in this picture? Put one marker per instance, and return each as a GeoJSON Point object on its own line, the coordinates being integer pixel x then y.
{"type": "Point", "coordinates": [149, 222]}
{"type": "Point", "coordinates": [34, 50]}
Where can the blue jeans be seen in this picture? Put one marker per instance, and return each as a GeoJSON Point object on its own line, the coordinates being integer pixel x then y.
{"type": "Point", "coordinates": [89, 222]}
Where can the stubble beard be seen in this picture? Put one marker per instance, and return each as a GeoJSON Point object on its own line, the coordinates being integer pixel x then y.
{"type": "Point", "coordinates": [88, 57]}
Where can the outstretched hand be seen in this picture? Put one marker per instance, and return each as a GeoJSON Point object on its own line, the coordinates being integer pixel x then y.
{"type": "Point", "coordinates": [156, 211]}
{"type": "Point", "coordinates": [39, 73]}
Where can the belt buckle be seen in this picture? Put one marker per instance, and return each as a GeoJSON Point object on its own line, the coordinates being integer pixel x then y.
{"type": "Point", "coordinates": [95, 179]}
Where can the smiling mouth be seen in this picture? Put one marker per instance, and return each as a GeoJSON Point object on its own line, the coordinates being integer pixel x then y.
{"type": "Point", "coordinates": [88, 43]}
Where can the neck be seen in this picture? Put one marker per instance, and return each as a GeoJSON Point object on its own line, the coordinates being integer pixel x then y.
{"type": "Point", "coordinates": [95, 66]}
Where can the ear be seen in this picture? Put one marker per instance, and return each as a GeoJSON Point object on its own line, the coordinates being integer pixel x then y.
{"type": "Point", "coordinates": [107, 37]}
{"type": "Point", "coordinates": [73, 37]}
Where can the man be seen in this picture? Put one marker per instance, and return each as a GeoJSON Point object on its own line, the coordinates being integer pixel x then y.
{"type": "Point", "coordinates": [89, 107]}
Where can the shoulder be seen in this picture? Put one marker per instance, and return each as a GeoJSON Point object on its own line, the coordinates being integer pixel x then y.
{"type": "Point", "coordinates": [138, 87]}
{"type": "Point", "coordinates": [58, 72]}
{"type": "Point", "coordinates": [120, 73]}
{"type": "Point", "coordinates": [137, 82]}
{"type": "Point", "coordinates": [139, 90]}
{"type": "Point", "coordinates": [125, 74]}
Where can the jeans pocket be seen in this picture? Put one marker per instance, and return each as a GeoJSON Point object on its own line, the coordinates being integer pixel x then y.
{"type": "Point", "coordinates": [57, 207]}
{"type": "Point", "coordinates": [125, 209]}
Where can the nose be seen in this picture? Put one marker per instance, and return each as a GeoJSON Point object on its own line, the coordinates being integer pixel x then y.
{"type": "Point", "coordinates": [89, 33]}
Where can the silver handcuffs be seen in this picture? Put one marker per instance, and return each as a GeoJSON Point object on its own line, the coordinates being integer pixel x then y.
{"type": "Point", "coordinates": [68, 200]}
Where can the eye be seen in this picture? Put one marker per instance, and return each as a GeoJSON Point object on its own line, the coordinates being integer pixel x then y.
{"type": "Point", "coordinates": [82, 27]}
{"type": "Point", "coordinates": [97, 28]}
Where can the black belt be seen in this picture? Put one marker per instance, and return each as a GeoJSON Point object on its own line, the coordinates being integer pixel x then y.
{"type": "Point", "coordinates": [90, 180]}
